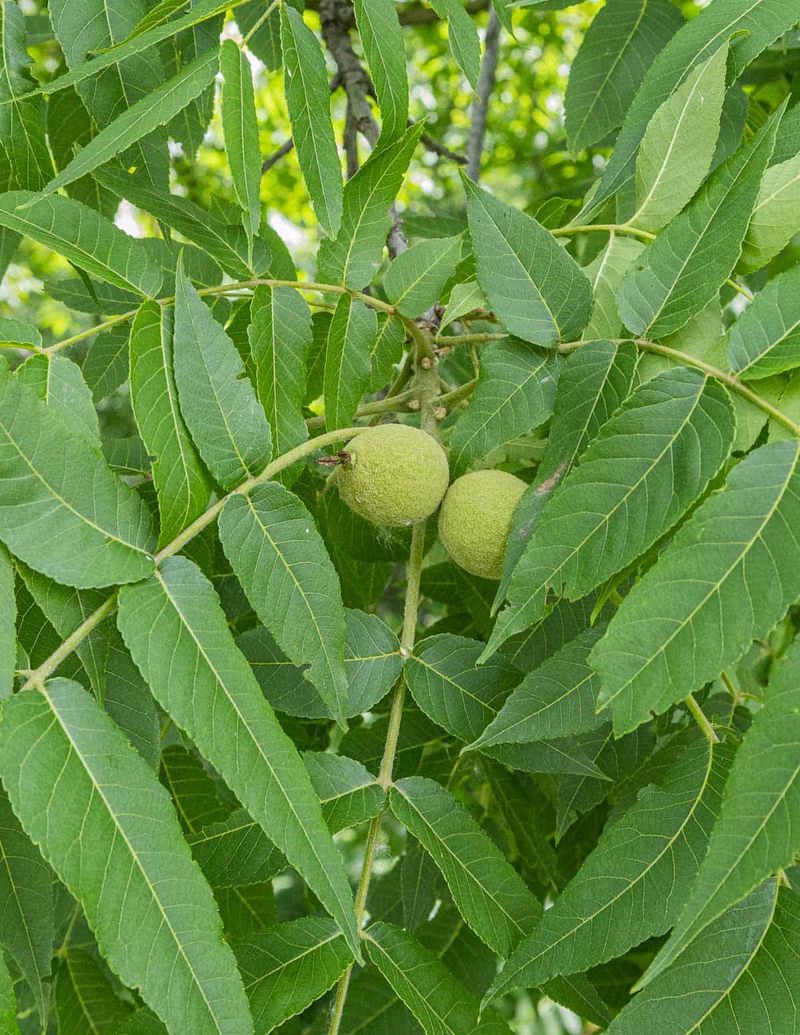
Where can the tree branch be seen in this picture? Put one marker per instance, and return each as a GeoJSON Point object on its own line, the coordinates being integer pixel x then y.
{"type": "Point", "coordinates": [480, 104]}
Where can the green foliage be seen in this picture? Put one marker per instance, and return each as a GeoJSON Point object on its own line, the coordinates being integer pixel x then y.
{"type": "Point", "coordinates": [399, 509]}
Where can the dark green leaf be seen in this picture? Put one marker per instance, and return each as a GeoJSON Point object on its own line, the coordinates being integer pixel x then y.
{"type": "Point", "coordinates": [616, 52]}
{"type": "Point", "coordinates": [758, 830]}
{"type": "Point", "coordinates": [307, 98]}
{"type": "Point", "coordinates": [84, 237]}
{"type": "Point", "coordinates": [217, 401]}
{"type": "Point", "coordinates": [85, 1000]}
{"type": "Point", "coordinates": [382, 39]}
{"type": "Point", "coordinates": [490, 895]}
{"type": "Point", "coordinates": [371, 659]}
{"type": "Point", "coordinates": [280, 560]}
{"type": "Point", "coordinates": [684, 621]}
{"type": "Point", "coordinates": [181, 484]}
{"type": "Point", "coordinates": [765, 340]}
{"type": "Point", "coordinates": [241, 132]}
{"type": "Point", "coordinates": [515, 394]}
{"type": "Point", "coordinates": [26, 906]}
{"type": "Point", "coordinates": [353, 256]}
{"type": "Point", "coordinates": [202, 680]}
{"type": "Point", "coordinates": [631, 886]}
{"type": "Point", "coordinates": [61, 509]}
{"type": "Point", "coordinates": [280, 339]}
{"type": "Point", "coordinates": [104, 822]}
{"type": "Point", "coordinates": [647, 466]}
{"type": "Point", "coordinates": [289, 966]}
{"type": "Point", "coordinates": [741, 975]}
{"type": "Point", "coordinates": [535, 287]}
{"type": "Point", "coordinates": [348, 364]}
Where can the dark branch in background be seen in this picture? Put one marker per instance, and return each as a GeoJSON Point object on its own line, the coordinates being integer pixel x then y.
{"type": "Point", "coordinates": [336, 19]}
{"type": "Point", "coordinates": [432, 145]}
{"type": "Point", "coordinates": [480, 104]}
{"type": "Point", "coordinates": [416, 13]}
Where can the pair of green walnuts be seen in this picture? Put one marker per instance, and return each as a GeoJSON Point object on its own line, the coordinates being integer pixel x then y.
{"type": "Point", "coordinates": [396, 475]}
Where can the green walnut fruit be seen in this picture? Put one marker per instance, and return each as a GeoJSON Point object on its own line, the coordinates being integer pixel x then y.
{"type": "Point", "coordinates": [475, 520]}
{"type": "Point", "coordinates": [394, 475]}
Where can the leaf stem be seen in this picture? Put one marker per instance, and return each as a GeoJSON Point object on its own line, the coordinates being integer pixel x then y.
{"type": "Point", "coordinates": [701, 719]}
{"type": "Point", "coordinates": [246, 39]}
{"type": "Point", "coordinates": [223, 289]}
{"type": "Point", "coordinates": [410, 613]}
{"type": "Point", "coordinates": [50, 664]}
{"type": "Point", "coordinates": [390, 404]}
{"type": "Point", "coordinates": [633, 231]}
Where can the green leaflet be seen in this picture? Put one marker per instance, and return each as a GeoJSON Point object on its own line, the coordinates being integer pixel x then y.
{"type": "Point", "coordinates": [592, 384]}
{"type": "Point", "coordinates": [750, 25]}
{"type": "Point", "coordinates": [61, 509]}
{"type": "Point", "coordinates": [741, 544]}
{"type": "Point", "coordinates": [224, 242]}
{"type": "Point", "coordinates": [85, 26]}
{"type": "Point", "coordinates": [84, 237]}
{"type": "Point", "coordinates": [59, 383]}
{"type": "Point", "coordinates": [617, 50]}
{"type": "Point", "coordinates": [463, 698]}
{"type": "Point", "coordinates": [216, 399]}
{"type": "Point", "coordinates": [681, 272]}
{"type": "Point", "coordinates": [18, 332]}
{"type": "Point", "coordinates": [134, 43]}
{"type": "Point", "coordinates": [348, 363]}
{"type": "Point", "coordinates": [26, 907]}
{"type": "Point", "coordinates": [199, 676]}
{"type": "Point", "coordinates": [382, 39]}
{"type": "Point", "coordinates": [278, 556]}
{"type": "Point", "coordinates": [741, 975]}
{"type": "Point", "coordinates": [308, 100]}
{"type": "Point", "coordinates": [515, 797]}
{"type": "Point", "coordinates": [605, 274]}
{"type": "Point", "coordinates": [647, 466]}
{"type": "Point", "coordinates": [8, 1002]}
{"type": "Point", "coordinates": [489, 894]}
{"type": "Point", "coordinates": [462, 36]}
{"type": "Point", "coordinates": [554, 700]}
{"type": "Point", "coordinates": [288, 967]}
{"type": "Point", "coordinates": [153, 110]}
{"type": "Point", "coordinates": [8, 618]}
{"type": "Point", "coordinates": [194, 792]}
{"type": "Point", "coordinates": [438, 1000]}
{"type": "Point", "coordinates": [758, 831]}
{"type": "Point", "coordinates": [116, 831]}
{"type": "Point", "coordinates": [21, 119]}
{"type": "Point", "coordinates": [181, 483]}
{"type": "Point", "coordinates": [84, 998]}
{"type": "Point", "coordinates": [679, 144]}
{"type": "Point", "coordinates": [632, 884]}
{"type": "Point", "coordinates": [765, 340]}
{"type": "Point", "coordinates": [70, 127]}
{"type": "Point", "coordinates": [515, 394]}
{"type": "Point", "coordinates": [114, 678]}
{"type": "Point", "coordinates": [535, 287]}
{"type": "Point", "coordinates": [236, 851]}
{"type": "Point", "coordinates": [776, 216]}
{"type": "Point", "coordinates": [241, 132]}
{"type": "Point", "coordinates": [353, 256]}
{"type": "Point", "coordinates": [415, 279]}
{"type": "Point", "coordinates": [280, 340]}
{"type": "Point", "coordinates": [372, 663]}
